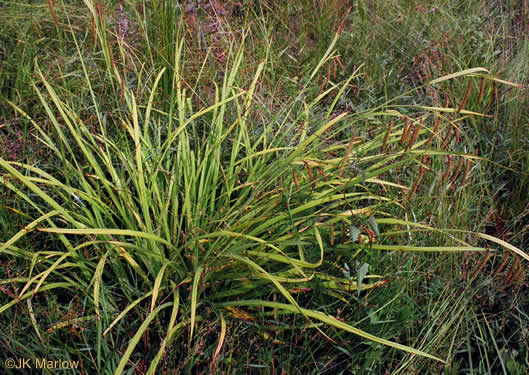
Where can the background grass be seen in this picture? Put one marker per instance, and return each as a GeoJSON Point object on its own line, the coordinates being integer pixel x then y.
{"type": "Point", "coordinates": [84, 122]}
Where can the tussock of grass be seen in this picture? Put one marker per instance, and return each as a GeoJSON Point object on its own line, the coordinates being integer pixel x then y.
{"type": "Point", "coordinates": [183, 195]}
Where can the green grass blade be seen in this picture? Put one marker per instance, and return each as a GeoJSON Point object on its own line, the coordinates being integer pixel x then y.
{"type": "Point", "coordinates": [458, 74]}
{"type": "Point", "coordinates": [194, 300]}
{"type": "Point", "coordinates": [157, 284]}
{"type": "Point", "coordinates": [443, 249]}
{"type": "Point", "coordinates": [104, 231]}
{"type": "Point", "coordinates": [27, 229]}
{"type": "Point", "coordinates": [125, 311]}
{"type": "Point", "coordinates": [50, 286]}
{"type": "Point", "coordinates": [332, 322]}
{"type": "Point", "coordinates": [507, 245]}
{"type": "Point", "coordinates": [136, 338]}
{"type": "Point", "coordinates": [98, 274]}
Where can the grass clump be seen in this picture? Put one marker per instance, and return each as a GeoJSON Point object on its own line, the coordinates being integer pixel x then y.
{"type": "Point", "coordinates": [186, 210]}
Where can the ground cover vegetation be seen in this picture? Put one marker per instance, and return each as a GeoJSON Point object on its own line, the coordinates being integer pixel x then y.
{"type": "Point", "coordinates": [324, 187]}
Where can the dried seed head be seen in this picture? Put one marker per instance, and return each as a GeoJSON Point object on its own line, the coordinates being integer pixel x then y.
{"type": "Point", "coordinates": [405, 131]}
{"type": "Point", "coordinates": [448, 169]}
{"type": "Point", "coordinates": [415, 135]}
{"type": "Point", "coordinates": [384, 144]}
{"type": "Point", "coordinates": [457, 134]}
{"type": "Point", "coordinates": [340, 62]}
{"type": "Point", "coordinates": [322, 84]}
{"type": "Point", "coordinates": [502, 265]}
{"type": "Point", "coordinates": [310, 173]}
{"type": "Point", "coordinates": [295, 179]}
{"type": "Point", "coordinates": [479, 267]}
{"type": "Point", "coordinates": [415, 186]}
{"type": "Point", "coordinates": [434, 131]}
{"type": "Point", "coordinates": [322, 174]}
{"type": "Point", "coordinates": [465, 98]}
{"type": "Point", "coordinates": [422, 172]}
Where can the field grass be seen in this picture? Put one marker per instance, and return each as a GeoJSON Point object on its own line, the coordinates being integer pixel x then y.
{"type": "Point", "coordinates": [323, 187]}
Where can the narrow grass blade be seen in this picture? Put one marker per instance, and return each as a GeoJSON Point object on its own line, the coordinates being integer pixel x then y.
{"type": "Point", "coordinates": [34, 320]}
{"type": "Point", "coordinates": [194, 299]}
{"type": "Point", "coordinates": [28, 228]}
{"type": "Point", "coordinates": [332, 322]}
{"type": "Point", "coordinates": [44, 288]}
{"type": "Point", "coordinates": [125, 311]}
{"type": "Point", "coordinates": [103, 231]}
{"type": "Point", "coordinates": [278, 285]}
{"type": "Point", "coordinates": [172, 329]}
{"type": "Point", "coordinates": [166, 341]}
{"type": "Point", "coordinates": [27, 182]}
{"type": "Point", "coordinates": [325, 57]}
{"type": "Point", "coordinates": [44, 275]}
{"type": "Point", "coordinates": [150, 102]}
{"type": "Point", "coordinates": [419, 225]}
{"type": "Point", "coordinates": [453, 110]}
{"type": "Point", "coordinates": [157, 284]}
{"type": "Point", "coordinates": [136, 338]}
{"type": "Point", "coordinates": [507, 245]}
{"type": "Point", "coordinates": [70, 322]}
{"type": "Point", "coordinates": [458, 74]}
{"type": "Point", "coordinates": [221, 338]}
{"type": "Point", "coordinates": [427, 248]}
{"type": "Point", "coordinates": [97, 281]}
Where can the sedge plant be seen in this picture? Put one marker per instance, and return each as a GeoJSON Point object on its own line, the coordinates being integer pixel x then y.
{"type": "Point", "coordinates": [174, 216]}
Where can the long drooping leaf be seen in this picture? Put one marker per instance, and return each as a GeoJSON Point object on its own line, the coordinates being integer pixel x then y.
{"type": "Point", "coordinates": [327, 319]}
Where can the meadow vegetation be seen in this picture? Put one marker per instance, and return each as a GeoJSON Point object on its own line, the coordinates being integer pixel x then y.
{"type": "Point", "coordinates": [269, 187]}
